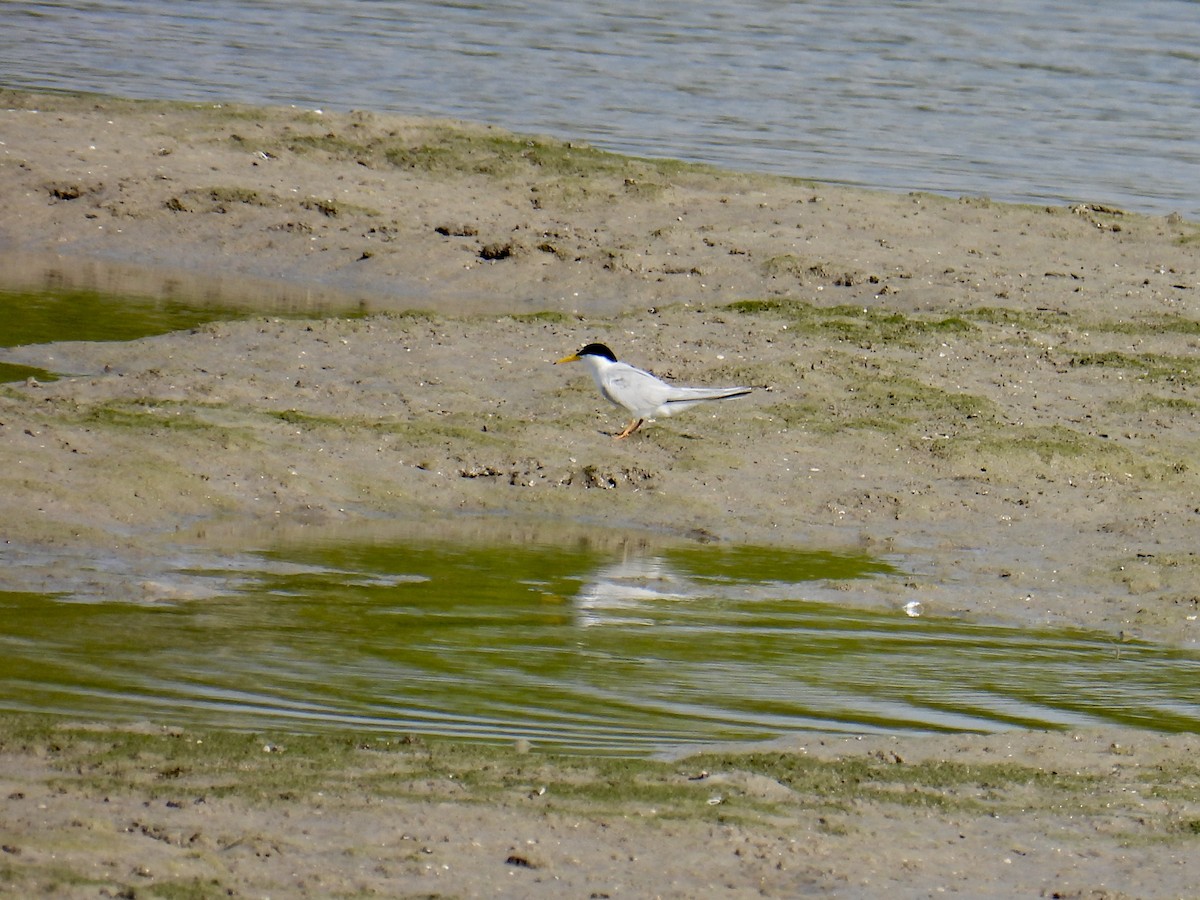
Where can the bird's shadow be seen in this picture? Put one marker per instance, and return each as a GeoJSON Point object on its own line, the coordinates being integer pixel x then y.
{"type": "Point", "coordinates": [645, 435]}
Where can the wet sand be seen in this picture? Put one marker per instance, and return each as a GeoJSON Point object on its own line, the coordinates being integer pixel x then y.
{"type": "Point", "coordinates": [1001, 397]}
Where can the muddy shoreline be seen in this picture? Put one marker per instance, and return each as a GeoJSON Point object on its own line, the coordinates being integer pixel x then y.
{"type": "Point", "coordinates": [1003, 397]}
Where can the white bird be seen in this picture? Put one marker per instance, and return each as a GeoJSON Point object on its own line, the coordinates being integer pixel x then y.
{"type": "Point", "coordinates": [645, 396]}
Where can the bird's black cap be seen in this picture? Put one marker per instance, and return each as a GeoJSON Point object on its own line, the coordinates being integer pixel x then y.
{"type": "Point", "coordinates": [598, 350]}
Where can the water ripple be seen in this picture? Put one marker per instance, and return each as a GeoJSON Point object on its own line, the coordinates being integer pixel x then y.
{"type": "Point", "coordinates": [1027, 101]}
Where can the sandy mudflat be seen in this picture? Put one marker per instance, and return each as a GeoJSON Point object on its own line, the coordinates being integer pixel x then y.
{"type": "Point", "coordinates": [1002, 397]}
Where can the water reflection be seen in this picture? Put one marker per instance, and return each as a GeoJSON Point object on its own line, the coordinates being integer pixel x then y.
{"type": "Point", "coordinates": [604, 644]}
{"type": "Point", "coordinates": [624, 592]}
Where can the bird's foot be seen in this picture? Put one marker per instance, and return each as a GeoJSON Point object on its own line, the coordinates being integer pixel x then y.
{"type": "Point", "coordinates": [633, 426]}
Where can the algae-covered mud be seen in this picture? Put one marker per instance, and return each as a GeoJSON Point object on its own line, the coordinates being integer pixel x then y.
{"type": "Point", "coordinates": [1026, 469]}
{"type": "Point", "coordinates": [998, 402]}
{"type": "Point", "coordinates": [92, 811]}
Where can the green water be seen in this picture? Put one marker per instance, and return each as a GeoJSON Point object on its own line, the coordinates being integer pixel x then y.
{"type": "Point", "coordinates": [573, 646]}
{"type": "Point", "coordinates": [43, 317]}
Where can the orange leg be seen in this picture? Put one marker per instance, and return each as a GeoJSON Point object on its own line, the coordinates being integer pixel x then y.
{"type": "Point", "coordinates": [633, 426]}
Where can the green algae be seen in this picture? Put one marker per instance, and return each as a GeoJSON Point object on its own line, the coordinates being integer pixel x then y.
{"type": "Point", "coordinates": [857, 324]}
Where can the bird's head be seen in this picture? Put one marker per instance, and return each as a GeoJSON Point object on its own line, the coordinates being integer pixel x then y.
{"type": "Point", "coordinates": [597, 350]}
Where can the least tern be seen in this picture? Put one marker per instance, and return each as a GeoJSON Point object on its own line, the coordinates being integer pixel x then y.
{"type": "Point", "coordinates": [645, 396]}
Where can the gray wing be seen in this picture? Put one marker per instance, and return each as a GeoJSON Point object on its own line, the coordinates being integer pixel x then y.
{"type": "Point", "coordinates": [639, 392]}
{"type": "Point", "coordinates": [647, 397]}
{"type": "Point", "coordinates": [680, 398]}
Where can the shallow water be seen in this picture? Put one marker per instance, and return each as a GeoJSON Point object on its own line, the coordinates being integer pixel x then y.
{"type": "Point", "coordinates": [1025, 100]}
{"type": "Point", "coordinates": [585, 645]}
{"type": "Point", "coordinates": [50, 316]}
